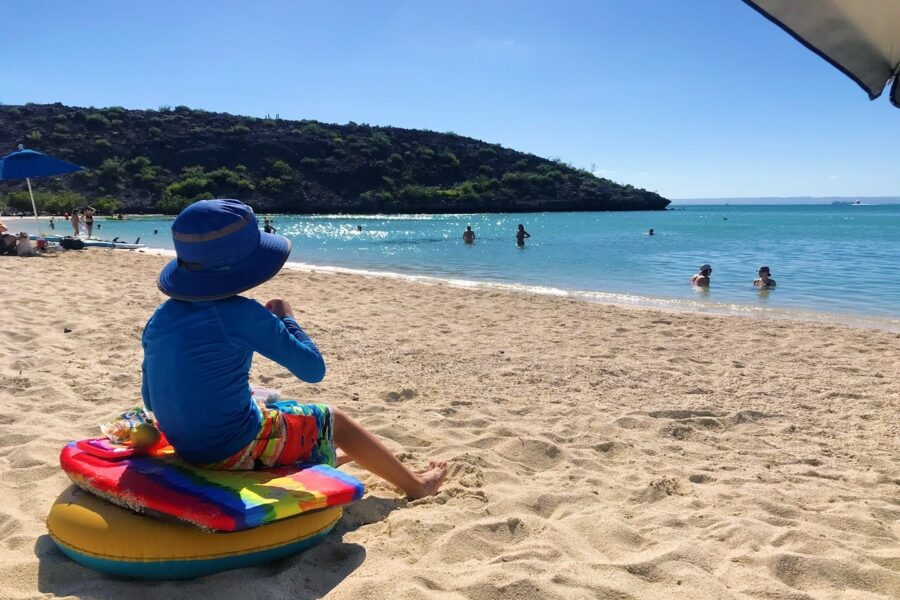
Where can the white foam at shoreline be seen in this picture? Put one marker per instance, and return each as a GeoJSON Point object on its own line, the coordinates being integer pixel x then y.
{"type": "Point", "coordinates": [616, 299]}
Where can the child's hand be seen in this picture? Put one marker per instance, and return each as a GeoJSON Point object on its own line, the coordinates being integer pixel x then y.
{"type": "Point", "coordinates": [280, 308]}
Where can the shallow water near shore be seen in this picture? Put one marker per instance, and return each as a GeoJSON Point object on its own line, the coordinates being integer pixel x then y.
{"type": "Point", "coordinates": [831, 262]}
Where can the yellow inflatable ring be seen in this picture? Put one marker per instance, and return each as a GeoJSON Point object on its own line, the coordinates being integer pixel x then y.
{"type": "Point", "coordinates": [107, 538]}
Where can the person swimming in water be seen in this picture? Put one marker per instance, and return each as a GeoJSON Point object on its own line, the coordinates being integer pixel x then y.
{"type": "Point", "coordinates": [701, 278]}
{"type": "Point", "coordinates": [521, 234]}
{"type": "Point", "coordinates": [764, 281]}
{"type": "Point", "coordinates": [469, 235]}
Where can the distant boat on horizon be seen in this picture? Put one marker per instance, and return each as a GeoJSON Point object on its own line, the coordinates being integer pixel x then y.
{"type": "Point", "coordinates": [854, 203]}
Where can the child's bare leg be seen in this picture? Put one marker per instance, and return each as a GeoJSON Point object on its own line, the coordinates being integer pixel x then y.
{"type": "Point", "coordinates": [342, 458]}
{"type": "Point", "coordinates": [370, 454]}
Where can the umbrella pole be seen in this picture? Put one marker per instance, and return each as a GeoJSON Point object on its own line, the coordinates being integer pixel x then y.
{"type": "Point", "coordinates": [33, 207]}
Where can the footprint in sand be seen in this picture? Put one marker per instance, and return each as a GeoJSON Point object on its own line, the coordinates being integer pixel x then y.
{"type": "Point", "coordinates": [404, 394]}
{"type": "Point", "coordinates": [683, 414]}
{"type": "Point", "coordinates": [658, 489]}
{"type": "Point", "coordinates": [679, 431]}
{"type": "Point", "coordinates": [531, 452]}
{"type": "Point", "coordinates": [611, 448]}
{"type": "Point", "coordinates": [484, 540]}
{"type": "Point", "coordinates": [810, 572]}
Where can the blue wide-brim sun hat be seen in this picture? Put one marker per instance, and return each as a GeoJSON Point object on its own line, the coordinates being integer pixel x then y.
{"type": "Point", "coordinates": [221, 252]}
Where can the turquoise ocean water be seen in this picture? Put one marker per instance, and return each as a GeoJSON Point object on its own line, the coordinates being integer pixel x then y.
{"type": "Point", "coordinates": [838, 263]}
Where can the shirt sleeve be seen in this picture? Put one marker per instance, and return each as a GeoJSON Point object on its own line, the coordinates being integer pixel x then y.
{"type": "Point", "coordinates": [280, 340]}
{"type": "Point", "coordinates": [145, 386]}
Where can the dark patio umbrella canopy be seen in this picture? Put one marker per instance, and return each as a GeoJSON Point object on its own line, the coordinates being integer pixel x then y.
{"type": "Point", "coordinates": [861, 38]}
{"type": "Point", "coordinates": [24, 164]}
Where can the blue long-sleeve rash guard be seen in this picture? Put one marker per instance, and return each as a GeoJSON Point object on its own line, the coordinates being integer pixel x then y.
{"type": "Point", "coordinates": [196, 371]}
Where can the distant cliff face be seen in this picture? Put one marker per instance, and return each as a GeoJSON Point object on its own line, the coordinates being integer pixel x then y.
{"type": "Point", "coordinates": [161, 160]}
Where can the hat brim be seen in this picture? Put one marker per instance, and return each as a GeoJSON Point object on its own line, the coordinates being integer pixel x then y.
{"type": "Point", "coordinates": [181, 283]}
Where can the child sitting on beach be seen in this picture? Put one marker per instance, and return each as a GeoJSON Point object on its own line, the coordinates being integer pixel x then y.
{"type": "Point", "coordinates": [199, 345]}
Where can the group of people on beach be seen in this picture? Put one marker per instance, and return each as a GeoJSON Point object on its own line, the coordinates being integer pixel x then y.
{"type": "Point", "coordinates": [469, 236]}
{"type": "Point", "coordinates": [77, 217]}
{"type": "Point", "coordinates": [763, 282]}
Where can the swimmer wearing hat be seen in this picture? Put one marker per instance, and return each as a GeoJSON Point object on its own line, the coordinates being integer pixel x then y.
{"type": "Point", "coordinates": [701, 278]}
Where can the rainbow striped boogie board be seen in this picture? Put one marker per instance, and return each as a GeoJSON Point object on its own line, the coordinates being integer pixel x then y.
{"type": "Point", "coordinates": [161, 484]}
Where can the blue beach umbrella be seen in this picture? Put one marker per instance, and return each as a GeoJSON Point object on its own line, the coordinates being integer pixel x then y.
{"type": "Point", "coordinates": [25, 164]}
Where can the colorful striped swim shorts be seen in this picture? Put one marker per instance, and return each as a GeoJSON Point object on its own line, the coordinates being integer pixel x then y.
{"type": "Point", "coordinates": [291, 434]}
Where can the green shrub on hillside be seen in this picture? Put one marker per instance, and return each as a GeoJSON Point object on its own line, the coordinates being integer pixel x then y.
{"type": "Point", "coordinates": [143, 173]}
{"type": "Point", "coordinates": [192, 184]}
{"type": "Point", "coordinates": [196, 183]}
{"type": "Point", "coordinates": [173, 205]}
{"type": "Point", "coordinates": [106, 205]}
{"type": "Point", "coordinates": [110, 174]}
{"type": "Point", "coordinates": [395, 161]}
{"type": "Point", "coordinates": [50, 202]}
{"type": "Point", "coordinates": [97, 121]}
{"type": "Point", "coordinates": [22, 201]}
{"type": "Point", "coordinates": [313, 129]}
{"type": "Point", "coordinates": [234, 181]}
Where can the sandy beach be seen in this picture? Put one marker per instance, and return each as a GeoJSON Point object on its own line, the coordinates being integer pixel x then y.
{"type": "Point", "coordinates": [596, 451]}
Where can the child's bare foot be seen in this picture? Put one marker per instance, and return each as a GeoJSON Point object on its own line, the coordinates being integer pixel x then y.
{"type": "Point", "coordinates": [430, 480]}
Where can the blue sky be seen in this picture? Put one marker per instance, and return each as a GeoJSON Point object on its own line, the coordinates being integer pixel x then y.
{"type": "Point", "coordinates": [690, 98]}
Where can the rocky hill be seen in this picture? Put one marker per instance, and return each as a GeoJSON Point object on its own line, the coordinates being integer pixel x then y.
{"type": "Point", "coordinates": [160, 160]}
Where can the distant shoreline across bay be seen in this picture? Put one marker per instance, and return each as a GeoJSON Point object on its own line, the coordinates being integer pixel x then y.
{"type": "Point", "coordinates": [789, 200]}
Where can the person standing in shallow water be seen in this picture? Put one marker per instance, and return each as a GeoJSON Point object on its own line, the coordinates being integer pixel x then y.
{"type": "Point", "coordinates": [701, 279]}
{"type": "Point", "coordinates": [89, 221]}
{"type": "Point", "coordinates": [268, 227]}
{"type": "Point", "coordinates": [521, 234]}
{"type": "Point", "coordinates": [469, 235]}
{"type": "Point", "coordinates": [764, 282]}
{"type": "Point", "coordinates": [75, 222]}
